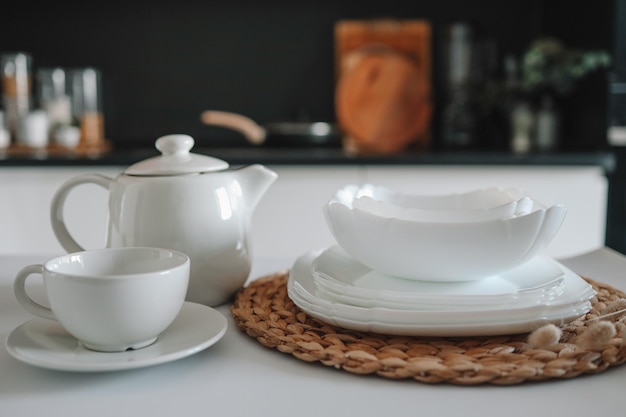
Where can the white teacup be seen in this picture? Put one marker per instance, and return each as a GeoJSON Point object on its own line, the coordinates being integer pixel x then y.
{"type": "Point", "coordinates": [111, 299]}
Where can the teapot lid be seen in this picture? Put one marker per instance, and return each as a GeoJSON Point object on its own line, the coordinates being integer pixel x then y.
{"type": "Point", "coordinates": [176, 159]}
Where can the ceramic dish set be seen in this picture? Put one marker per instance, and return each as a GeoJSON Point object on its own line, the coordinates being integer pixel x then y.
{"type": "Point", "coordinates": [451, 295]}
{"type": "Point", "coordinates": [449, 265]}
{"type": "Point", "coordinates": [193, 204]}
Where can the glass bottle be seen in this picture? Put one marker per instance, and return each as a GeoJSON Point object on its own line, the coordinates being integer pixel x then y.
{"type": "Point", "coordinates": [86, 97]}
{"type": "Point", "coordinates": [16, 90]}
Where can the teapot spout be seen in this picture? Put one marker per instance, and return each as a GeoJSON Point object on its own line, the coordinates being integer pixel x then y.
{"type": "Point", "coordinates": [255, 181]}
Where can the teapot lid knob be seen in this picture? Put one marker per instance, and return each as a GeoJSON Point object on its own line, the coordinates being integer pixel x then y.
{"type": "Point", "coordinates": [175, 159]}
{"type": "Point", "coordinates": [174, 144]}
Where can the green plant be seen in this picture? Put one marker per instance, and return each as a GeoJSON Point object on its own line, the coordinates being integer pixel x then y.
{"type": "Point", "coordinates": [548, 65]}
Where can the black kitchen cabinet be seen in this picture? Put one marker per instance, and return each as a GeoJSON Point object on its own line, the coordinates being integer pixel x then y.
{"type": "Point", "coordinates": [163, 62]}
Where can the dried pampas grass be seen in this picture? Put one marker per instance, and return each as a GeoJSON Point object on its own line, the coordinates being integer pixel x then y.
{"type": "Point", "coordinates": [610, 323]}
{"type": "Point", "coordinates": [545, 336]}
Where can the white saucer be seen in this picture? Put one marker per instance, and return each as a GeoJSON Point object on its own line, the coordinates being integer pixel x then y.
{"type": "Point", "coordinates": [45, 343]}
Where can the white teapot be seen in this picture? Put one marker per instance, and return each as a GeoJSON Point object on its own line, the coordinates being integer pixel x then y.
{"type": "Point", "coordinates": [184, 201]}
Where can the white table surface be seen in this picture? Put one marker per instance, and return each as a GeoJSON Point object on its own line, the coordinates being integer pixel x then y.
{"type": "Point", "coordinates": [239, 377]}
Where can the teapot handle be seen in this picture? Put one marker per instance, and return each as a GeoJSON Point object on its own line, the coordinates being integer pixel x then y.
{"type": "Point", "coordinates": [58, 202]}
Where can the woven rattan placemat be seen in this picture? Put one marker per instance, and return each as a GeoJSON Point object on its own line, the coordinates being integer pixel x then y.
{"type": "Point", "coordinates": [264, 311]}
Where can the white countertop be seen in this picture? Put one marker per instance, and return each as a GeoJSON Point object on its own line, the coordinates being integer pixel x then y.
{"type": "Point", "coordinates": [239, 377]}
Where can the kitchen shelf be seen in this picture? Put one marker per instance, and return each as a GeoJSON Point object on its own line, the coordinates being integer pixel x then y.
{"type": "Point", "coordinates": [320, 156]}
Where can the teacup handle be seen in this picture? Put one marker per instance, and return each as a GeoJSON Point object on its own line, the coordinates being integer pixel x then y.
{"type": "Point", "coordinates": [19, 288]}
{"type": "Point", "coordinates": [58, 201]}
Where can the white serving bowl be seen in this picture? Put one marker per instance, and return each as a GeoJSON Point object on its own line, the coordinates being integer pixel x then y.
{"type": "Point", "coordinates": [387, 209]}
{"type": "Point", "coordinates": [478, 199]}
{"type": "Point", "coordinates": [441, 250]}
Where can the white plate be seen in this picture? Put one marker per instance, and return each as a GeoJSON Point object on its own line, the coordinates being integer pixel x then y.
{"type": "Point", "coordinates": [336, 272]}
{"type": "Point", "coordinates": [438, 330]}
{"type": "Point", "coordinates": [573, 303]}
{"type": "Point", "coordinates": [576, 291]}
{"type": "Point", "coordinates": [45, 343]}
{"type": "Point", "coordinates": [345, 298]}
{"type": "Point", "coordinates": [456, 316]}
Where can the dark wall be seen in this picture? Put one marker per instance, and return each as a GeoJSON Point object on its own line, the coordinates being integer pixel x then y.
{"type": "Point", "coordinates": [163, 62]}
{"type": "Point", "coordinates": [585, 25]}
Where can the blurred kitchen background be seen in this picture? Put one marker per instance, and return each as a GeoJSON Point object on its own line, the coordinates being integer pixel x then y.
{"type": "Point", "coordinates": [163, 62]}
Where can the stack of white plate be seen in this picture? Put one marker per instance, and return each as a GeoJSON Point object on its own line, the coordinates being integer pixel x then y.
{"type": "Point", "coordinates": [331, 286]}
{"type": "Point", "coordinates": [341, 286]}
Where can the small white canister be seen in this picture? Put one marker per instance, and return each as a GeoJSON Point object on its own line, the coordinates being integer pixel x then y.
{"type": "Point", "coordinates": [33, 129]}
{"type": "Point", "coordinates": [5, 135]}
{"type": "Point", "coordinates": [66, 136]}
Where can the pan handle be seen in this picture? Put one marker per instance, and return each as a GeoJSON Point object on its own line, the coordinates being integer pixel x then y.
{"type": "Point", "coordinates": [249, 128]}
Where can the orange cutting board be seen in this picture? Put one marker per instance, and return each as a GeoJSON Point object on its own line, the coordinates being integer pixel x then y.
{"type": "Point", "coordinates": [382, 96]}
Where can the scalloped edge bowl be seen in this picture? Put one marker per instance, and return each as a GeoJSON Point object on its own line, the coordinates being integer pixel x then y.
{"type": "Point", "coordinates": [441, 251]}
